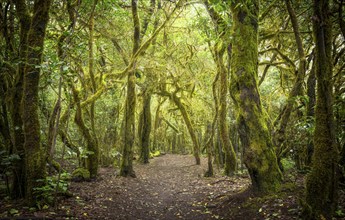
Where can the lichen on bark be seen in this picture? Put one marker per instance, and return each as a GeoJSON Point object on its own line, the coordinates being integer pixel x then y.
{"type": "Point", "coordinates": [259, 156]}
{"type": "Point", "coordinates": [321, 182]}
{"type": "Point", "coordinates": [129, 128]}
{"type": "Point", "coordinates": [145, 127]}
{"type": "Point", "coordinates": [34, 154]}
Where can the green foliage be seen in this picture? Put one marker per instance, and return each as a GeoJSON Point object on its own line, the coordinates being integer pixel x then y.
{"type": "Point", "coordinates": [7, 165]}
{"type": "Point", "coordinates": [81, 174]}
{"type": "Point", "coordinates": [7, 162]}
{"type": "Point", "coordinates": [339, 213]}
{"type": "Point", "coordinates": [288, 164]}
{"type": "Point", "coordinates": [14, 212]}
{"type": "Point", "coordinates": [85, 153]}
{"type": "Point", "coordinates": [46, 192]}
{"type": "Point", "coordinates": [156, 153]}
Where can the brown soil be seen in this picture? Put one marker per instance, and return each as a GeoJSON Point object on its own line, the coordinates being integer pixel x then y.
{"type": "Point", "coordinates": [170, 187]}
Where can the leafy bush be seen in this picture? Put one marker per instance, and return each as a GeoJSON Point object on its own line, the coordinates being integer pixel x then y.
{"type": "Point", "coordinates": [288, 164]}
{"type": "Point", "coordinates": [7, 164]}
{"type": "Point", "coordinates": [45, 194]}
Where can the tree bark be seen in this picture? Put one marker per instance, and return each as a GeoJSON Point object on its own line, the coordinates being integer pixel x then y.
{"type": "Point", "coordinates": [129, 134]}
{"type": "Point", "coordinates": [209, 133]}
{"type": "Point", "coordinates": [92, 148]}
{"type": "Point", "coordinates": [146, 128]}
{"type": "Point", "coordinates": [321, 182]}
{"type": "Point", "coordinates": [311, 86]}
{"type": "Point", "coordinates": [18, 184]}
{"type": "Point", "coordinates": [156, 125]}
{"type": "Point", "coordinates": [89, 133]}
{"type": "Point", "coordinates": [196, 146]}
{"type": "Point", "coordinates": [34, 154]}
{"type": "Point", "coordinates": [219, 50]}
{"type": "Point", "coordinates": [259, 156]}
{"type": "Point", "coordinates": [230, 156]}
{"type": "Point", "coordinates": [297, 89]}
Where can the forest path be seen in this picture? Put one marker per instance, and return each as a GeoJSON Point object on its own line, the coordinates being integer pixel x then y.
{"type": "Point", "coordinates": [170, 187]}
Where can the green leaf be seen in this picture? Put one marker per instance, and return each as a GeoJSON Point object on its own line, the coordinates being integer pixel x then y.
{"type": "Point", "coordinates": [14, 211]}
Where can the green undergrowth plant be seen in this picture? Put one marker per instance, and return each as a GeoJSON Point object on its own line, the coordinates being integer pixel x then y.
{"type": "Point", "coordinates": [156, 153]}
{"type": "Point", "coordinates": [7, 165]}
{"type": "Point", "coordinates": [81, 174]}
{"type": "Point", "coordinates": [50, 188]}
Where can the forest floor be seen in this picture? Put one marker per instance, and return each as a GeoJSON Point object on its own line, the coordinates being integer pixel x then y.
{"type": "Point", "coordinates": [169, 187]}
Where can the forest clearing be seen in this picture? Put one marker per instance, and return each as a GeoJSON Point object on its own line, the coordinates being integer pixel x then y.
{"type": "Point", "coordinates": [172, 109]}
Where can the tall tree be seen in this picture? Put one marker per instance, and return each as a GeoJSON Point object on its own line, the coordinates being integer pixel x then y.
{"type": "Point", "coordinates": [145, 127]}
{"type": "Point", "coordinates": [129, 134]}
{"type": "Point", "coordinates": [18, 186]}
{"type": "Point", "coordinates": [34, 158]}
{"type": "Point", "coordinates": [259, 156]}
{"type": "Point", "coordinates": [219, 49]}
{"type": "Point", "coordinates": [321, 183]}
{"type": "Point", "coordinates": [297, 89]}
{"type": "Point", "coordinates": [131, 70]}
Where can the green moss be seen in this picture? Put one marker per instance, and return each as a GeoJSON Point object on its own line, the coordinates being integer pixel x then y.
{"type": "Point", "coordinates": [156, 153]}
{"type": "Point", "coordinates": [81, 174]}
{"type": "Point", "coordinates": [254, 133]}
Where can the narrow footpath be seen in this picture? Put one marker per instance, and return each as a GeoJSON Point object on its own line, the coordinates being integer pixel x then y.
{"type": "Point", "coordinates": [170, 187]}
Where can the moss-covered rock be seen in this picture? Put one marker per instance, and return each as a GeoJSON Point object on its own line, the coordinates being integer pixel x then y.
{"type": "Point", "coordinates": [80, 174]}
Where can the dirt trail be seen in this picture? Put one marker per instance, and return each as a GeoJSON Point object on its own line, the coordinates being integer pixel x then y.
{"type": "Point", "coordinates": [170, 187]}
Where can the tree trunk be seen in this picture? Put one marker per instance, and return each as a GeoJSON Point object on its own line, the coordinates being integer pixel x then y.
{"type": "Point", "coordinates": [311, 85]}
{"type": "Point", "coordinates": [196, 146]}
{"type": "Point", "coordinates": [91, 137]}
{"type": "Point", "coordinates": [279, 136]}
{"type": "Point", "coordinates": [92, 148]}
{"type": "Point", "coordinates": [209, 133]}
{"type": "Point", "coordinates": [129, 134]}
{"type": "Point", "coordinates": [259, 156]}
{"type": "Point", "coordinates": [34, 155]}
{"type": "Point", "coordinates": [18, 184]}
{"type": "Point", "coordinates": [129, 129]}
{"type": "Point", "coordinates": [230, 156]}
{"type": "Point", "coordinates": [321, 183]}
{"type": "Point", "coordinates": [146, 128]}
{"type": "Point", "coordinates": [220, 47]}
{"type": "Point", "coordinates": [156, 126]}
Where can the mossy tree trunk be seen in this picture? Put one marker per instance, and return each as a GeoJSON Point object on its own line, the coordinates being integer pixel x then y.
{"type": "Point", "coordinates": [209, 133]}
{"type": "Point", "coordinates": [230, 156]}
{"type": "Point", "coordinates": [321, 183]}
{"type": "Point", "coordinates": [63, 45]}
{"type": "Point", "coordinates": [311, 88]}
{"type": "Point", "coordinates": [5, 132]}
{"type": "Point", "coordinates": [219, 50]}
{"type": "Point", "coordinates": [297, 89]}
{"type": "Point", "coordinates": [18, 184]}
{"type": "Point", "coordinates": [156, 125]}
{"type": "Point", "coordinates": [89, 133]}
{"type": "Point", "coordinates": [8, 71]}
{"type": "Point", "coordinates": [196, 146]}
{"type": "Point", "coordinates": [92, 71]}
{"type": "Point", "coordinates": [188, 122]}
{"type": "Point", "coordinates": [145, 129]}
{"type": "Point", "coordinates": [129, 128]}
{"type": "Point", "coordinates": [259, 156]}
{"type": "Point", "coordinates": [92, 148]}
{"type": "Point", "coordinates": [34, 154]}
